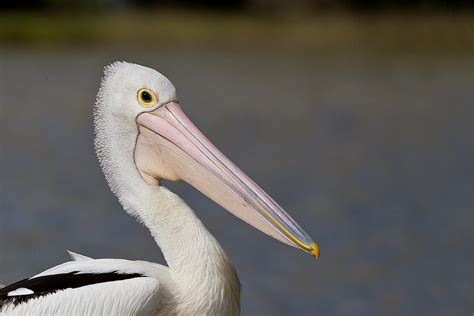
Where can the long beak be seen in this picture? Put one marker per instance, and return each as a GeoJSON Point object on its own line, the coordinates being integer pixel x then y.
{"type": "Point", "coordinates": [170, 147]}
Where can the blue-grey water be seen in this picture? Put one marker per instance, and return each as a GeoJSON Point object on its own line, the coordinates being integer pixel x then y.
{"type": "Point", "coordinates": [372, 155]}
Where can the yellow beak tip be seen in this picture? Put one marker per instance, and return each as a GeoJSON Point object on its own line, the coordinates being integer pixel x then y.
{"type": "Point", "coordinates": [315, 251]}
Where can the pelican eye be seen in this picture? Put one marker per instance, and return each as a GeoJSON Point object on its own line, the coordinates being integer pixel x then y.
{"type": "Point", "coordinates": [147, 98]}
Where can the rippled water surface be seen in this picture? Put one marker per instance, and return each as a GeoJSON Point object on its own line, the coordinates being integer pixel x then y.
{"type": "Point", "coordinates": [372, 155]}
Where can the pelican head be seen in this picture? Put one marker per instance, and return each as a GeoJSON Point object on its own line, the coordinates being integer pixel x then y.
{"type": "Point", "coordinates": [142, 134]}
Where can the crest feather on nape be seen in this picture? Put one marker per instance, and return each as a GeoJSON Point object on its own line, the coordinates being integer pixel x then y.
{"type": "Point", "coordinates": [103, 125]}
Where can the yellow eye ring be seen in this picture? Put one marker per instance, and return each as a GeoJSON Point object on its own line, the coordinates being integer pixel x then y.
{"type": "Point", "coordinates": [147, 98]}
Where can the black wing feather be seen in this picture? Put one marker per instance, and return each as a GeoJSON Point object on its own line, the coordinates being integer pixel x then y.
{"type": "Point", "coordinates": [48, 284]}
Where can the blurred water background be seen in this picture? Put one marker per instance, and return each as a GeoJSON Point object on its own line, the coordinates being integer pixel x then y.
{"type": "Point", "coordinates": [358, 119]}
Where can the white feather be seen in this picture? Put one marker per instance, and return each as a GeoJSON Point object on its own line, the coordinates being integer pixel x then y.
{"type": "Point", "coordinates": [77, 257]}
{"type": "Point", "coordinates": [20, 291]}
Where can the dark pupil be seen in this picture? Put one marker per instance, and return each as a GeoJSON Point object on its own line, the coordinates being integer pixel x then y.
{"type": "Point", "coordinates": [146, 97]}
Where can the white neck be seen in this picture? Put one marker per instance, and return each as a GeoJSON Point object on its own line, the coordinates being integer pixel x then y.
{"type": "Point", "coordinates": [206, 280]}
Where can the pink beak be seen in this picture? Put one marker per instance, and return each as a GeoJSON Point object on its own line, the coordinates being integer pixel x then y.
{"type": "Point", "coordinates": [170, 146]}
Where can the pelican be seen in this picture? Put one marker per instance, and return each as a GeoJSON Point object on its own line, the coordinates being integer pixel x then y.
{"type": "Point", "coordinates": [141, 138]}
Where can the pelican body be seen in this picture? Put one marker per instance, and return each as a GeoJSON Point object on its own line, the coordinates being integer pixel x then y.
{"type": "Point", "coordinates": [143, 137]}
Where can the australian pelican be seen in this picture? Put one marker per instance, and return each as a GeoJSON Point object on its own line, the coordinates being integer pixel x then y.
{"type": "Point", "coordinates": [142, 137]}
